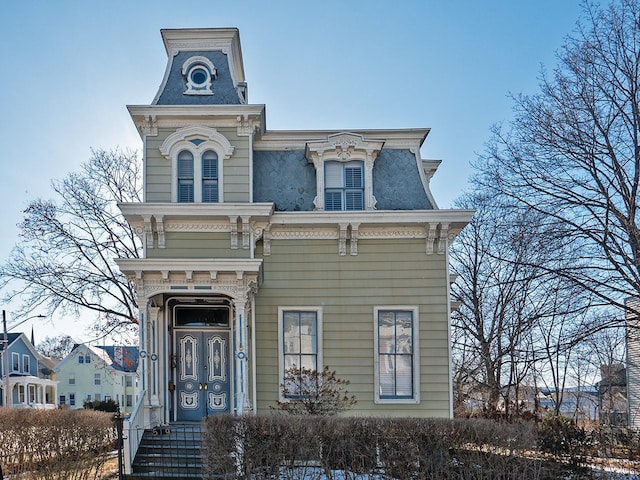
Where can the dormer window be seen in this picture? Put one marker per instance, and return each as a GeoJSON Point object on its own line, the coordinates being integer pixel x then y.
{"type": "Point", "coordinates": [199, 72]}
{"type": "Point", "coordinates": [344, 171]}
{"type": "Point", "coordinates": [344, 186]}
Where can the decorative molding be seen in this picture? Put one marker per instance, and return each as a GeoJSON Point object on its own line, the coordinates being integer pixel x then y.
{"type": "Point", "coordinates": [442, 239]}
{"type": "Point", "coordinates": [234, 232]}
{"type": "Point", "coordinates": [353, 241]}
{"type": "Point", "coordinates": [162, 243]}
{"type": "Point", "coordinates": [212, 140]}
{"type": "Point", "coordinates": [148, 230]}
{"type": "Point", "coordinates": [304, 234]}
{"type": "Point", "coordinates": [266, 242]}
{"type": "Point", "coordinates": [429, 167]}
{"type": "Point", "coordinates": [343, 147]}
{"type": "Point", "coordinates": [431, 237]}
{"type": "Point", "coordinates": [176, 226]}
{"type": "Point", "coordinates": [206, 66]}
{"type": "Point", "coordinates": [246, 125]}
{"type": "Point", "coordinates": [342, 239]}
{"type": "Point", "coordinates": [149, 126]}
{"type": "Point", "coordinates": [246, 232]}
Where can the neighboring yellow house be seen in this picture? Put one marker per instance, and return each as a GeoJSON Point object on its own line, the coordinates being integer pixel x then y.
{"type": "Point", "coordinates": [267, 249]}
{"type": "Point", "coordinates": [91, 373]}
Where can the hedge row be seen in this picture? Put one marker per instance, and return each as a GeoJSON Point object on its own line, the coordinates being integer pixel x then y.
{"type": "Point", "coordinates": [55, 444]}
{"type": "Point", "coordinates": [294, 447]}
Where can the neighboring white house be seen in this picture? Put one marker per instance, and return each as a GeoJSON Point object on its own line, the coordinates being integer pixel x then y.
{"type": "Point", "coordinates": [92, 373]}
{"type": "Point", "coordinates": [28, 388]}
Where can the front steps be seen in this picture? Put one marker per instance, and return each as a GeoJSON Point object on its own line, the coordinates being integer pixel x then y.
{"type": "Point", "coordinates": [169, 452]}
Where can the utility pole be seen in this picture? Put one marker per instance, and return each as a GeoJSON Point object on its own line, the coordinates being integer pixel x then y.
{"type": "Point", "coordinates": [5, 356]}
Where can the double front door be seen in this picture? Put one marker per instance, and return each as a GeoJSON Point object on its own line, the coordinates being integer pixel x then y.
{"type": "Point", "coordinates": [202, 373]}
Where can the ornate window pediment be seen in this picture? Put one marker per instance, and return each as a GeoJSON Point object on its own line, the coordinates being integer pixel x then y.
{"type": "Point", "coordinates": [199, 73]}
{"type": "Point", "coordinates": [349, 149]}
{"type": "Point", "coordinates": [197, 166]}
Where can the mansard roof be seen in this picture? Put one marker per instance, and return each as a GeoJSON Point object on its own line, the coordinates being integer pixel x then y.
{"type": "Point", "coordinates": [204, 67]}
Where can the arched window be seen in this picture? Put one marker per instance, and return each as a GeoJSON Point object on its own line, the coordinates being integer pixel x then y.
{"type": "Point", "coordinates": [197, 155]}
{"type": "Point", "coordinates": [185, 177]}
{"type": "Point", "coordinates": [209, 176]}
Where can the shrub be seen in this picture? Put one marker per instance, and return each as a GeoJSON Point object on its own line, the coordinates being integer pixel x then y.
{"type": "Point", "coordinates": [55, 444]}
{"type": "Point", "coordinates": [560, 436]}
{"type": "Point", "coordinates": [101, 405]}
{"type": "Point", "coordinates": [317, 447]}
{"type": "Point", "coordinates": [310, 392]}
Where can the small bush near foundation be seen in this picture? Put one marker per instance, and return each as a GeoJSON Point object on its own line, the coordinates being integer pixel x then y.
{"type": "Point", "coordinates": [55, 444]}
{"type": "Point", "coordinates": [318, 447]}
{"type": "Point", "coordinates": [101, 405]}
{"type": "Point", "coordinates": [312, 392]}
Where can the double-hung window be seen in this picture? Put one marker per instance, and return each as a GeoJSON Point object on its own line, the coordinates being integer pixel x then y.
{"type": "Point", "coordinates": [209, 177]}
{"type": "Point", "coordinates": [26, 364]}
{"type": "Point", "coordinates": [185, 177]}
{"type": "Point", "coordinates": [300, 341]}
{"type": "Point", "coordinates": [197, 177]}
{"type": "Point", "coordinates": [15, 362]}
{"type": "Point", "coordinates": [344, 186]}
{"type": "Point", "coordinates": [97, 379]}
{"type": "Point", "coordinates": [396, 354]}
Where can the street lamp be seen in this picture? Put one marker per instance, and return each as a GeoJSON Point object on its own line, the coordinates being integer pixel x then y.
{"type": "Point", "coordinates": [5, 354]}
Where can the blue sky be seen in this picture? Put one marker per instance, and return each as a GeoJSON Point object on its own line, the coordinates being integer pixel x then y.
{"type": "Point", "coordinates": [70, 67]}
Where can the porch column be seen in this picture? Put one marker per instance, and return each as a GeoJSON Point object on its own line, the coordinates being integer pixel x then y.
{"type": "Point", "coordinates": [241, 356]}
{"type": "Point", "coordinates": [152, 355]}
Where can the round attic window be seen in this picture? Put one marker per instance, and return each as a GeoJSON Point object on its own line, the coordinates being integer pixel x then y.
{"type": "Point", "coordinates": [199, 73]}
{"type": "Point", "coordinates": [198, 76]}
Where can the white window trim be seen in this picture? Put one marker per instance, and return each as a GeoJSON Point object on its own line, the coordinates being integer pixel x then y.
{"type": "Point", "coordinates": [281, 311]}
{"type": "Point", "coordinates": [199, 62]}
{"type": "Point", "coordinates": [344, 147]}
{"type": "Point", "coordinates": [15, 361]}
{"type": "Point", "coordinates": [26, 362]}
{"type": "Point", "coordinates": [416, 355]}
{"type": "Point", "coordinates": [211, 140]}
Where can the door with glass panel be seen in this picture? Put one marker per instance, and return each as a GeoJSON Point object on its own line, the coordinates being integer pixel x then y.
{"type": "Point", "coordinates": [202, 374]}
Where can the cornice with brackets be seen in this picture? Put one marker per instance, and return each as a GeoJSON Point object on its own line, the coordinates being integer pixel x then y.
{"type": "Point", "coordinates": [246, 224]}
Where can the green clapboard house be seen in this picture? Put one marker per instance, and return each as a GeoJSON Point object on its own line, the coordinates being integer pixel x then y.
{"type": "Point", "coordinates": [266, 250]}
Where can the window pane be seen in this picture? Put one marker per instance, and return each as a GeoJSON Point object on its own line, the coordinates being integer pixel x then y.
{"type": "Point", "coordinates": [353, 177]}
{"type": "Point", "coordinates": [395, 350]}
{"type": "Point", "coordinates": [209, 191]}
{"type": "Point", "coordinates": [185, 191]}
{"type": "Point", "coordinates": [185, 165]}
{"type": "Point", "coordinates": [308, 336]}
{"type": "Point", "coordinates": [210, 165]}
{"type": "Point", "coordinates": [333, 200]}
{"type": "Point", "coordinates": [300, 343]}
{"type": "Point", "coordinates": [333, 175]}
{"type": "Point", "coordinates": [404, 376]}
{"type": "Point", "coordinates": [354, 200]}
{"type": "Point", "coordinates": [404, 332]}
{"type": "Point", "coordinates": [291, 332]}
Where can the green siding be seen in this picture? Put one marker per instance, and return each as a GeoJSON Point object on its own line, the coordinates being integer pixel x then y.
{"type": "Point", "coordinates": [197, 245]}
{"type": "Point", "coordinates": [235, 169]}
{"type": "Point", "coordinates": [385, 272]}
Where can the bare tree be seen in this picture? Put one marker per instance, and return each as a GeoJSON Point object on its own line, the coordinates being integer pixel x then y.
{"type": "Point", "coordinates": [64, 260]}
{"type": "Point", "coordinates": [572, 153]}
{"type": "Point", "coordinates": [504, 298]}
{"type": "Point", "coordinates": [56, 347]}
